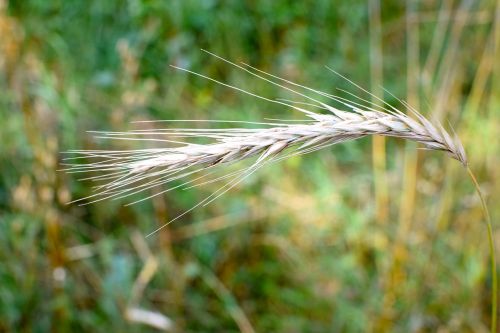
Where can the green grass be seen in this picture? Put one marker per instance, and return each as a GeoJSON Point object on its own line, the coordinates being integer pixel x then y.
{"type": "Point", "coordinates": [298, 246]}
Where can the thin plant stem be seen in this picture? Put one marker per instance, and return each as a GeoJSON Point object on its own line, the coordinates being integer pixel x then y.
{"type": "Point", "coordinates": [378, 142]}
{"type": "Point", "coordinates": [494, 282]}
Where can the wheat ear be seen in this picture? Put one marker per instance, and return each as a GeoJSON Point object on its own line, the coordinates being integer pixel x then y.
{"type": "Point", "coordinates": [129, 172]}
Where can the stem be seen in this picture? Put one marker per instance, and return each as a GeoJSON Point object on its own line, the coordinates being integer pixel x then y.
{"type": "Point", "coordinates": [492, 254]}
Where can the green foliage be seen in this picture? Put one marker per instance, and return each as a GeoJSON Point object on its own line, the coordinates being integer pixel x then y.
{"type": "Point", "coordinates": [297, 247]}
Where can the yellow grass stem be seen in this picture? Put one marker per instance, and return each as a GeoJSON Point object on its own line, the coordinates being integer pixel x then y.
{"type": "Point", "coordinates": [491, 243]}
{"type": "Point", "coordinates": [378, 143]}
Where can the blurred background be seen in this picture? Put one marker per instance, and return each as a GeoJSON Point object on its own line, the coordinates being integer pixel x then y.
{"type": "Point", "coordinates": [371, 235]}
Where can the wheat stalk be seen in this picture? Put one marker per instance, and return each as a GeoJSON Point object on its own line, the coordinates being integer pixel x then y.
{"type": "Point", "coordinates": [129, 172]}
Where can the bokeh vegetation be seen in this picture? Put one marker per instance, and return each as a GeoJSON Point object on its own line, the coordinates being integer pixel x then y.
{"type": "Point", "coordinates": [364, 236]}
